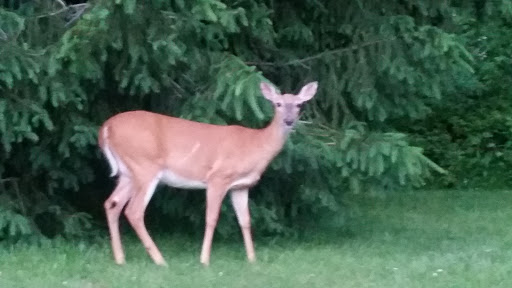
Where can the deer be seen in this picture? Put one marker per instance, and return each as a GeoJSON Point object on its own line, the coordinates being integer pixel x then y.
{"type": "Point", "coordinates": [144, 149]}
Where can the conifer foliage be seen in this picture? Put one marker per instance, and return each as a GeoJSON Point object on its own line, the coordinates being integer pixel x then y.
{"type": "Point", "coordinates": [65, 68]}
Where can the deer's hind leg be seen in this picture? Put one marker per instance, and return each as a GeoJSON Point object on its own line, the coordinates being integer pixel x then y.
{"type": "Point", "coordinates": [113, 207]}
{"type": "Point", "coordinates": [135, 211]}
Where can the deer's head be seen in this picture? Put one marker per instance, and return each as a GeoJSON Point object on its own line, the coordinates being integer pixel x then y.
{"type": "Point", "coordinates": [287, 106]}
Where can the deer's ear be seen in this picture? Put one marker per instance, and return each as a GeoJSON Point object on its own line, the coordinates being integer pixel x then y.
{"type": "Point", "coordinates": [268, 91]}
{"type": "Point", "coordinates": [308, 91]}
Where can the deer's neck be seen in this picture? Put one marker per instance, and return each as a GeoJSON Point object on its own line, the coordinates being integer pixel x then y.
{"type": "Point", "coordinates": [275, 134]}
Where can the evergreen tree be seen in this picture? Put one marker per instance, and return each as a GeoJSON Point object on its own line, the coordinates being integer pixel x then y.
{"type": "Point", "coordinates": [65, 69]}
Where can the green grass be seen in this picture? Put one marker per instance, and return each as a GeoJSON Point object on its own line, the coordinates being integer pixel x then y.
{"type": "Point", "coordinates": [426, 239]}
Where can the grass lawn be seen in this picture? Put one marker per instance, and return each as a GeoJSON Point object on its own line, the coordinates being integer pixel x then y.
{"type": "Point", "coordinates": [426, 239]}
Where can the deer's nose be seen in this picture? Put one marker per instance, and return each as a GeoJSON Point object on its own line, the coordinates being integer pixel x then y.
{"type": "Point", "coordinates": [288, 122]}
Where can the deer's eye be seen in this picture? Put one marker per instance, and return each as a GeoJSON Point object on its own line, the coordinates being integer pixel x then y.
{"type": "Point", "coordinates": [299, 105]}
{"type": "Point", "coordinates": [278, 104]}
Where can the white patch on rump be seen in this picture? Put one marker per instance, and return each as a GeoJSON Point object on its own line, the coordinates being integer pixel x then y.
{"type": "Point", "coordinates": [110, 156]}
{"type": "Point", "coordinates": [111, 161]}
{"type": "Point", "coordinates": [116, 165]}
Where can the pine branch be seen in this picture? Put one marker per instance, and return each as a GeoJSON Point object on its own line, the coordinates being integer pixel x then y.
{"type": "Point", "coordinates": [61, 3]}
{"type": "Point", "coordinates": [3, 36]}
{"type": "Point", "coordinates": [14, 182]}
{"type": "Point", "coordinates": [320, 55]}
{"type": "Point", "coordinates": [77, 11]}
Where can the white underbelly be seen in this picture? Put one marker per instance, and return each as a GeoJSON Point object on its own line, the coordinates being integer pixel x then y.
{"type": "Point", "coordinates": [245, 181]}
{"type": "Point", "coordinates": [174, 180]}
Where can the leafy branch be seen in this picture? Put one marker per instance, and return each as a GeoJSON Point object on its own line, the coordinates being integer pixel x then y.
{"type": "Point", "coordinates": [76, 11]}
{"type": "Point", "coordinates": [301, 61]}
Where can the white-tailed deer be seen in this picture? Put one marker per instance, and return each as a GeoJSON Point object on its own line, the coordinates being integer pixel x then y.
{"type": "Point", "coordinates": [145, 148]}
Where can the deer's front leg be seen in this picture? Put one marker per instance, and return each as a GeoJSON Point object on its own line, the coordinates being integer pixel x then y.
{"type": "Point", "coordinates": [214, 195]}
{"type": "Point", "coordinates": [240, 200]}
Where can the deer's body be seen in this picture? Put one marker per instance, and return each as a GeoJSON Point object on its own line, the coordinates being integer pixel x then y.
{"type": "Point", "coordinates": [211, 152]}
{"type": "Point", "coordinates": [145, 148]}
